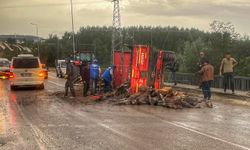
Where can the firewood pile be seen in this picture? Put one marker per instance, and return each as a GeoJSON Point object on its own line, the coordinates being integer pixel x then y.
{"type": "Point", "coordinates": [165, 97]}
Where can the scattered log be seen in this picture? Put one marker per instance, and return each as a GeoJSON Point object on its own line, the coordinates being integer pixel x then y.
{"type": "Point", "coordinates": [123, 91]}
{"type": "Point", "coordinates": [165, 97]}
{"type": "Point", "coordinates": [165, 91]}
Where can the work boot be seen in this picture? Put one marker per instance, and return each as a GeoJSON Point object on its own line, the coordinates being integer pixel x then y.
{"type": "Point", "coordinates": [65, 95]}
{"type": "Point", "coordinates": [209, 104]}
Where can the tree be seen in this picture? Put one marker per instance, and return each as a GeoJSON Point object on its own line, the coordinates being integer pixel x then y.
{"type": "Point", "coordinates": [225, 29]}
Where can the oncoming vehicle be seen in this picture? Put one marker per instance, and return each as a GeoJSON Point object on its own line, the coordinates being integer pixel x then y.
{"type": "Point", "coordinates": [60, 68]}
{"type": "Point", "coordinates": [26, 71]}
{"type": "Point", "coordinates": [4, 68]}
{"type": "Point", "coordinates": [45, 71]}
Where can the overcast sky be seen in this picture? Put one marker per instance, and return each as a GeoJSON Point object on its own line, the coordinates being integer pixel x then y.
{"type": "Point", "coordinates": [53, 16]}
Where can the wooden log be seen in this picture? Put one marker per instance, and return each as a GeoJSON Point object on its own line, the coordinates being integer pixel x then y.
{"type": "Point", "coordinates": [165, 91]}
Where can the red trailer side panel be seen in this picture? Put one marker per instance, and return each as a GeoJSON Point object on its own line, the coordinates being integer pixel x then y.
{"type": "Point", "coordinates": [140, 62]}
{"type": "Point", "coordinates": [121, 73]}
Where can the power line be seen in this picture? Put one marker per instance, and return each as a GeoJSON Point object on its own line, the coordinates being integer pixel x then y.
{"type": "Point", "coordinates": [117, 31]}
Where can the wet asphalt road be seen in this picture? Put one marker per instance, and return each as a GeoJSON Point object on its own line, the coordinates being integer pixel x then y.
{"type": "Point", "coordinates": [36, 119]}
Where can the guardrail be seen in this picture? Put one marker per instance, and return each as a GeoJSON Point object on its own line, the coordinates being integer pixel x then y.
{"type": "Point", "coordinates": [241, 83]}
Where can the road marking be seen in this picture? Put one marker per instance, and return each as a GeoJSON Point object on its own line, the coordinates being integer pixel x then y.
{"type": "Point", "coordinates": [41, 139]}
{"type": "Point", "coordinates": [36, 131]}
{"type": "Point", "coordinates": [53, 77]}
{"type": "Point", "coordinates": [56, 83]}
{"type": "Point", "coordinates": [110, 128]}
{"type": "Point", "coordinates": [197, 132]}
{"type": "Point", "coordinates": [206, 135]}
{"type": "Point", "coordinates": [177, 124]}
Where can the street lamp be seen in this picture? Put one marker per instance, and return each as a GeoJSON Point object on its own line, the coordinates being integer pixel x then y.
{"type": "Point", "coordinates": [38, 49]}
{"type": "Point", "coordinates": [73, 29]}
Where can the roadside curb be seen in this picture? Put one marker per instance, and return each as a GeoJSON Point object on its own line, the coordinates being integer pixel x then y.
{"type": "Point", "coordinates": [218, 96]}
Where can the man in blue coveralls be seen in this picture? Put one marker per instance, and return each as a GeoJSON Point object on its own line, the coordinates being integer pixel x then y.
{"type": "Point", "coordinates": [94, 75]}
{"type": "Point", "coordinates": [108, 77]}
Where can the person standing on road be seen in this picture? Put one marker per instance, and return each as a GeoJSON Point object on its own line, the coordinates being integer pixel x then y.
{"type": "Point", "coordinates": [202, 59]}
{"type": "Point", "coordinates": [86, 79]}
{"type": "Point", "coordinates": [227, 69]}
{"type": "Point", "coordinates": [69, 77]}
{"type": "Point", "coordinates": [94, 75]}
{"type": "Point", "coordinates": [172, 65]}
{"type": "Point", "coordinates": [108, 77]}
{"type": "Point", "coordinates": [207, 76]}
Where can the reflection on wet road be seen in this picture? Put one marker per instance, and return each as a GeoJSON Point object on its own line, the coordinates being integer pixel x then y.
{"type": "Point", "coordinates": [36, 119]}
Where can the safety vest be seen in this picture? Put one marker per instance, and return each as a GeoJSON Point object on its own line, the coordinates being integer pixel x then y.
{"type": "Point", "coordinates": [94, 71]}
{"type": "Point", "coordinates": [106, 75]}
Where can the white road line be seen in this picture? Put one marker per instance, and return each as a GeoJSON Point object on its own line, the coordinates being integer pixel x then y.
{"type": "Point", "coordinates": [53, 77]}
{"type": "Point", "coordinates": [110, 128]}
{"type": "Point", "coordinates": [195, 131]}
{"type": "Point", "coordinates": [171, 123]}
{"type": "Point", "coordinates": [103, 125]}
{"type": "Point", "coordinates": [36, 132]}
{"type": "Point", "coordinates": [56, 83]}
{"type": "Point", "coordinates": [206, 135]}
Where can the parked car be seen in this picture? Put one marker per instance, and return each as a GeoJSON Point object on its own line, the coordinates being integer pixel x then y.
{"type": "Point", "coordinates": [4, 68]}
{"type": "Point", "coordinates": [26, 71]}
{"type": "Point", "coordinates": [45, 71]}
{"type": "Point", "coordinates": [60, 68]}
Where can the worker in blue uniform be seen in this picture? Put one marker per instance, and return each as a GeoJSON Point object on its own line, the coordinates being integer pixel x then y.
{"type": "Point", "coordinates": [94, 75]}
{"type": "Point", "coordinates": [108, 77]}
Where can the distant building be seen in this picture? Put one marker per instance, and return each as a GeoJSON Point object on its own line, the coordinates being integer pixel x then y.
{"type": "Point", "coordinates": [20, 38]}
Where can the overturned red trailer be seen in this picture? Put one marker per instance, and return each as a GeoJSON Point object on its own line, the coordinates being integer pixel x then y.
{"type": "Point", "coordinates": [143, 66]}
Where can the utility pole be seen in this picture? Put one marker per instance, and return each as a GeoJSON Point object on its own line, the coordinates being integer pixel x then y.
{"type": "Point", "coordinates": [73, 28]}
{"type": "Point", "coordinates": [38, 47]}
{"type": "Point", "coordinates": [116, 31]}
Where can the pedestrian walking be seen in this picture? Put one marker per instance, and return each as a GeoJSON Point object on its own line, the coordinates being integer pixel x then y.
{"type": "Point", "coordinates": [69, 77]}
{"type": "Point", "coordinates": [94, 75]}
{"type": "Point", "coordinates": [227, 70]}
{"type": "Point", "coordinates": [108, 78]}
{"type": "Point", "coordinates": [207, 76]}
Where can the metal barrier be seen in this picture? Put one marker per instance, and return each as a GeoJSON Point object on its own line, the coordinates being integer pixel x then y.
{"type": "Point", "coordinates": [241, 83]}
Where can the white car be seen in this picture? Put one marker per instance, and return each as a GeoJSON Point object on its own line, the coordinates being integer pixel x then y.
{"type": "Point", "coordinates": [60, 68]}
{"type": "Point", "coordinates": [25, 71]}
{"type": "Point", "coordinates": [4, 68]}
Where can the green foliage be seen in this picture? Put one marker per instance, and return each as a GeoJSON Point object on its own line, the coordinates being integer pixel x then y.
{"type": "Point", "coordinates": [244, 67]}
{"type": "Point", "coordinates": [187, 43]}
{"type": "Point", "coordinates": [191, 53]}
